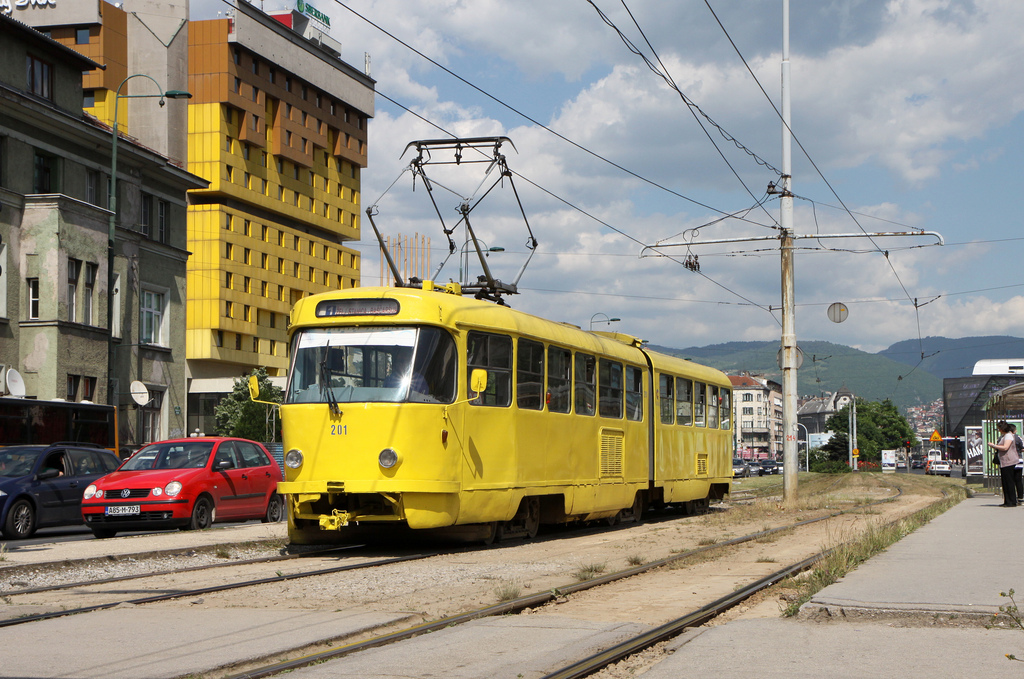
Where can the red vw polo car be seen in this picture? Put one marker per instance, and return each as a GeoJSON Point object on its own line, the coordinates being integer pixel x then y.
{"type": "Point", "coordinates": [187, 484]}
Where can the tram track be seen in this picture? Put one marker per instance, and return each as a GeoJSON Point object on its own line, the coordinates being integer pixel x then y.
{"type": "Point", "coordinates": [534, 601]}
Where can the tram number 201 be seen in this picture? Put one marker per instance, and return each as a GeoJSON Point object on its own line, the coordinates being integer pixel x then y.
{"type": "Point", "coordinates": [339, 430]}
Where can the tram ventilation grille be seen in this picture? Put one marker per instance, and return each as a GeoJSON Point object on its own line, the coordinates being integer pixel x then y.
{"type": "Point", "coordinates": [702, 464]}
{"type": "Point", "coordinates": [612, 445]}
{"type": "Point", "coordinates": [335, 486]}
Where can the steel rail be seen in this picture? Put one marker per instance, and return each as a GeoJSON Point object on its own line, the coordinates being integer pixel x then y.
{"type": "Point", "coordinates": [188, 569]}
{"type": "Point", "coordinates": [530, 601]}
{"type": "Point", "coordinates": [213, 589]}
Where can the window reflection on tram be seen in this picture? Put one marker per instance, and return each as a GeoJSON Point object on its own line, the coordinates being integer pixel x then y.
{"type": "Point", "coordinates": [373, 364]}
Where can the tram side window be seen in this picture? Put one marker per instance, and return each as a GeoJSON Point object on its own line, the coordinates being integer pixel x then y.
{"type": "Point", "coordinates": [666, 397]}
{"type": "Point", "coordinates": [684, 401]}
{"type": "Point", "coordinates": [726, 410]}
{"type": "Point", "coordinates": [492, 353]}
{"type": "Point", "coordinates": [699, 404]}
{"type": "Point", "coordinates": [713, 406]}
{"type": "Point", "coordinates": [530, 375]}
{"type": "Point", "coordinates": [559, 379]}
{"type": "Point", "coordinates": [586, 384]}
{"type": "Point", "coordinates": [610, 384]}
{"type": "Point", "coordinates": [634, 394]}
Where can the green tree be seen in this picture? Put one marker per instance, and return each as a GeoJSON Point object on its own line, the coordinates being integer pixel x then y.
{"type": "Point", "coordinates": [238, 415]}
{"type": "Point", "coordinates": [879, 427]}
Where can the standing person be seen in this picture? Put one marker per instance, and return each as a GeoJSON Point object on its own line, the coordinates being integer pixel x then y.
{"type": "Point", "coordinates": [1008, 456]}
{"type": "Point", "coordinates": [1018, 469]}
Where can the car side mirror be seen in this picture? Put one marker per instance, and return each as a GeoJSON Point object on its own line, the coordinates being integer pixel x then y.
{"type": "Point", "coordinates": [48, 473]}
{"type": "Point", "coordinates": [225, 464]}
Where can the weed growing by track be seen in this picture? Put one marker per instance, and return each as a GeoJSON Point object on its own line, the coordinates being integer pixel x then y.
{"type": "Point", "coordinates": [635, 560]}
{"type": "Point", "coordinates": [849, 554]}
{"type": "Point", "coordinates": [3, 551]}
{"type": "Point", "coordinates": [507, 591]}
{"type": "Point", "coordinates": [590, 571]}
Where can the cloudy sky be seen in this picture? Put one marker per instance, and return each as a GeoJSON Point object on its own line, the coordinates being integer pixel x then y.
{"type": "Point", "coordinates": [906, 113]}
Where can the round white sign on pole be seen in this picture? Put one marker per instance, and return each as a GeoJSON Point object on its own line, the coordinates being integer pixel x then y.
{"type": "Point", "coordinates": [139, 392]}
{"type": "Point", "coordinates": [837, 312]}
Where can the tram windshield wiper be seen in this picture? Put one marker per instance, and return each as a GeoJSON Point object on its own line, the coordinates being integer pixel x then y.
{"type": "Point", "coordinates": [326, 392]}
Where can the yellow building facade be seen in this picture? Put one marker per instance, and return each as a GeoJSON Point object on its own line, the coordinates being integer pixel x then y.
{"type": "Point", "coordinates": [282, 150]}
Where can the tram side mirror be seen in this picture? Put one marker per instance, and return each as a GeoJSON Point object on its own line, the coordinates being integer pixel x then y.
{"type": "Point", "coordinates": [478, 380]}
{"type": "Point", "coordinates": [254, 387]}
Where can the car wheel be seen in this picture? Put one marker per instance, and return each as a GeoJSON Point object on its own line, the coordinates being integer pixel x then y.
{"type": "Point", "coordinates": [103, 533]}
{"type": "Point", "coordinates": [21, 520]}
{"type": "Point", "coordinates": [203, 514]}
{"type": "Point", "coordinates": [275, 509]}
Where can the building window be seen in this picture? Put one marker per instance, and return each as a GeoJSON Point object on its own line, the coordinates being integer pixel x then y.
{"type": "Point", "coordinates": [147, 216]}
{"type": "Point", "coordinates": [74, 268]}
{"type": "Point", "coordinates": [152, 313]}
{"type": "Point", "coordinates": [256, 66]}
{"type": "Point", "coordinates": [90, 285]}
{"type": "Point", "coordinates": [92, 187]}
{"type": "Point", "coordinates": [82, 36]}
{"type": "Point", "coordinates": [162, 215]}
{"type": "Point", "coordinates": [256, 94]}
{"type": "Point", "coordinates": [151, 416]}
{"type": "Point", "coordinates": [237, 56]}
{"type": "Point", "coordinates": [73, 381]}
{"type": "Point", "coordinates": [38, 77]}
{"type": "Point", "coordinates": [238, 85]}
{"type": "Point", "coordinates": [33, 298]}
{"type": "Point", "coordinates": [45, 176]}
{"type": "Point", "coordinates": [88, 388]}
{"type": "Point", "coordinates": [88, 98]}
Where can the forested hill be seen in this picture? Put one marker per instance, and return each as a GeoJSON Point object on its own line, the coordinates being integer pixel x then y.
{"type": "Point", "coordinates": [826, 368]}
{"type": "Point", "coordinates": [898, 373]}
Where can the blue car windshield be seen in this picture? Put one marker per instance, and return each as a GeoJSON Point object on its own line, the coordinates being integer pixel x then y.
{"type": "Point", "coordinates": [18, 460]}
{"type": "Point", "coordinates": [172, 455]}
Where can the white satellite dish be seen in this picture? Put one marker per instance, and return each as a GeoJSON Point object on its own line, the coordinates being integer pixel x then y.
{"type": "Point", "coordinates": [139, 392]}
{"type": "Point", "coordinates": [15, 383]}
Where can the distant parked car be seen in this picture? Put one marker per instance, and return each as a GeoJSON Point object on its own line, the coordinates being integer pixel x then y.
{"type": "Point", "coordinates": [769, 467]}
{"type": "Point", "coordinates": [187, 484]}
{"type": "Point", "coordinates": [755, 467]}
{"type": "Point", "coordinates": [42, 486]}
{"type": "Point", "coordinates": [740, 467]}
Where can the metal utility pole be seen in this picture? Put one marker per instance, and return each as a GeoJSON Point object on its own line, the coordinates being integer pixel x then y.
{"type": "Point", "coordinates": [789, 348]}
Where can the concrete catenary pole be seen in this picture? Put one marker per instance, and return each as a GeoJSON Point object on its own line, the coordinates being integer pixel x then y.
{"type": "Point", "coordinates": [789, 348]}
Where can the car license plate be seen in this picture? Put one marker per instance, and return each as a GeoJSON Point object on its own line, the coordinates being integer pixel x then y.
{"type": "Point", "coordinates": [122, 510]}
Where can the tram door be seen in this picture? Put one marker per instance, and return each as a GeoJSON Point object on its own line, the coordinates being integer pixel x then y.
{"type": "Point", "coordinates": [489, 450]}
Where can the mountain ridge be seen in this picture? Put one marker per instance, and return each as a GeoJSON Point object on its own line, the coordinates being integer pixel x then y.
{"type": "Point", "coordinates": [909, 372]}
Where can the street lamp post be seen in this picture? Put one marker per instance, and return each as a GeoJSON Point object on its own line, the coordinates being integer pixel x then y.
{"type": "Point", "coordinates": [607, 320]}
{"type": "Point", "coordinates": [464, 256]}
{"type": "Point", "coordinates": [112, 218]}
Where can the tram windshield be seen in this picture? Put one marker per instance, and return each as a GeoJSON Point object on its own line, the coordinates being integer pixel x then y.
{"type": "Point", "coordinates": [372, 364]}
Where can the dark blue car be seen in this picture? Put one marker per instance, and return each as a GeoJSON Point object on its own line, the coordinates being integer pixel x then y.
{"type": "Point", "coordinates": [42, 486]}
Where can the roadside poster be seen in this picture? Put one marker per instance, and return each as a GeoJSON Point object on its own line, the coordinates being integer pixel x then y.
{"type": "Point", "coordinates": [974, 449]}
{"type": "Point", "coordinates": [888, 460]}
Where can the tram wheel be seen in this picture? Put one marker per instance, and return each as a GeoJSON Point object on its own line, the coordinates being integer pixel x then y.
{"type": "Point", "coordinates": [493, 532]}
{"type": "Point", "coordinates": [532, 517]}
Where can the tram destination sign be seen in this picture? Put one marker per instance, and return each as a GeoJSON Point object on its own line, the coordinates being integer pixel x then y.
{"type": "Point", "coordinates": [357, 307]}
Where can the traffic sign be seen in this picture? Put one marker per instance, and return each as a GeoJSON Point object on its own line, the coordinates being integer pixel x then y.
{"type": "Point", "coordinates": [936, 437]}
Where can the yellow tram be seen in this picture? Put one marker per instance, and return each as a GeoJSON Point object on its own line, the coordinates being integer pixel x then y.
{"type": "Point", "coordinates": [423, 408]}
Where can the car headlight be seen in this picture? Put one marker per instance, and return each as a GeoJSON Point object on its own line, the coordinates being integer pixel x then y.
{"type": "Point", "coordinates": [388, 458]}
{"type": "Point", "coordinates": [293, 458]}
{"type": "Point", "coordinates": [90, 492]}
{"type": "Point", "coordinates": [3, 493]}
{"type": "Point", "coordinates": [157, 492]}
{"type": "Point", "coordinates": [172, 489]}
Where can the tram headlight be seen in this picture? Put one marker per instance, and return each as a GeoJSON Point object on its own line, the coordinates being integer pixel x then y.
{"type": "Point", "coordinates": [172, 488]}
{"type": "Point", "coordinates": [293, 458]}
{"type": "Point", "coordinates": [388, 458]}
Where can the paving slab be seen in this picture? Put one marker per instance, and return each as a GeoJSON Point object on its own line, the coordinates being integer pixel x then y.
{"type": "Point", "coordinates": [130, 642]}
{"type": "Point", "coordinates": [795, 649]}
{"type": "Point", "coordinates": [956, 564]}
{"type": "Point", "coordinates": [513, 647]}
